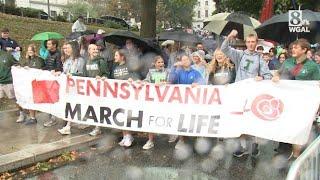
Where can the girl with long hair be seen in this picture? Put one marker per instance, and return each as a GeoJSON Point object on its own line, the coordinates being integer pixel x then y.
{"type": "Point", "coordinates": [221, 71]}
{"type": "Point", "coordinates": [31, 60]}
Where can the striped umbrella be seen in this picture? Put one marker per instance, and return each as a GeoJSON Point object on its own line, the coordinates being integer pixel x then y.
{"type": "Point", "coordinates": [223, 23]}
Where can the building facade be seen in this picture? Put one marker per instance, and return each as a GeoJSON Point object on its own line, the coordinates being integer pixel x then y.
{"type": "Point", "coordinates": [55, 6]}
{"type": "Point", "coordinates": [202, 11]}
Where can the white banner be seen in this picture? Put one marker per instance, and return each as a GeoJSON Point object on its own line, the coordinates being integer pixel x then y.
{"type": "Point", "coordinates": [281, 112]}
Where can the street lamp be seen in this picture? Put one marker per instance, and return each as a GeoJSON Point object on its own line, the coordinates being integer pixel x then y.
{"type": "Point", "coordinates": [119, 7]}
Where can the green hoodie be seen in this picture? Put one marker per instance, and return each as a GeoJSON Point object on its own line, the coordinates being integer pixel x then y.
{"type": "Point", "coordinates": [35, 62]}
{"type": "Point", "coordinates": [6, 61]}
{"type": "Point", "coordinates": [96, 67]}
{"type": "Point", "coordinates": [307, 70]}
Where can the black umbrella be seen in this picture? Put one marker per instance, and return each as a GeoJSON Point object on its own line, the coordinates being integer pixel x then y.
{"type": "Point", "coordinates": [76, 35]}
{"type": "Point", "coordinates": [180, 36]}
{"type": "Point", "coordinates": [119, 38]}
{"type": "Point", "coordinates": [210, 44]}
{"type": "Point", "coordinates": [277, 28]}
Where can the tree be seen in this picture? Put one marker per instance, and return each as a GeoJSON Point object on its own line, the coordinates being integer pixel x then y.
{"type": "Point", "coordinates": [249, 7]}
{"type": "Point", "coordinates": [148, 18]}
{"type": "Point", "coordinates": [124, 9]}
{"type": "Point", "coordinates": [95, 8]}
{"type": "Point", "coordinates": [282, 6]}
{"type": "Point", "coordinates": [254, 7]}
{"type": "Point", "coordinates": [176, 12]}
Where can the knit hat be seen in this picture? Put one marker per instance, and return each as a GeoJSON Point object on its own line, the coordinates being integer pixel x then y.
{"type": "Point", "coordinates": [199, 54]}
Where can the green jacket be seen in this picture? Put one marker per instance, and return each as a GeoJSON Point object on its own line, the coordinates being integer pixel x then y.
{"type": "Point", "coordinates": [35, 62]}
{"type": "Point", "coordinates": [6, 61]}
{"type": "Point", "coordinates": [307, 70]}
{"type": "Point", "coordinates": [96, 67]}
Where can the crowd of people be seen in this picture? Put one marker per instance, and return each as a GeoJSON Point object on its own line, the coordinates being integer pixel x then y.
{"type": "Point", "coordinates": [178, 64]}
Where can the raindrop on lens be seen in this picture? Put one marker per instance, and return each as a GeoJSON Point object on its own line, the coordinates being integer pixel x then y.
{"type": "Point", "coordinates": [231, 145]}
{"type": "Point", "coordinates": [202, 145]}
{"type": "Point", "coordinates": [217, 152]}
{"type": "Point", "coordinates": [183, 152]}
{"type": "Point", "coordinates": [209, 165]}
{"type": "Point", "coordinates": [279, 162]}
{"type": "Point", "coordinates": [134, 173]}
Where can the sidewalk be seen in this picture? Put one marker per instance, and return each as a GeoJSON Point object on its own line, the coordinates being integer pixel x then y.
{"type": "Point", "coordinates": [23, 145]}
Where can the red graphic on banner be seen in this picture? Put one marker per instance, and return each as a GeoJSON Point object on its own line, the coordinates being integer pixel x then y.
{"type": "Point", "coordinates": [267, 107]}
{"type": "Point", "coordinates": [45, 91]}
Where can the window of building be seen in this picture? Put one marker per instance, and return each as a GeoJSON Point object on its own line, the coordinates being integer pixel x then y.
{"type": "Point", "coordinates": [206, 13]}
{"type": "Point", "coordinates": [199, 14]}
{"type": "Point", "coordinates": [198, 26]}
{"type": "Point", "coordinates": [53, 13]}
{"type": "Point", "coordinates": [206, 3]}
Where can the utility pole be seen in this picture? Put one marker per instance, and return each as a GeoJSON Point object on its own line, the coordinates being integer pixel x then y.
{"type": "Point", "coordinates": [49, 9]}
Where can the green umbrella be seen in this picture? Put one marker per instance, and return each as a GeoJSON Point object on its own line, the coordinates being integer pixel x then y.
{"type": "Point", "coordinates": [46, 35]}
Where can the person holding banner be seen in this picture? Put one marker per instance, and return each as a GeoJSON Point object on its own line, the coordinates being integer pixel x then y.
{"type": "Point", "coordinates": [317, 58]}
{"type": "Point", "coordinates": [32, 60]}
{"type": "Point", "coordinates": [53, 64]}
{"type": "Point", "coordinates": [96, 67]}
{"type": "Point", "coordinates": [248, 64]}
{"type": "Point", "coordinates": [6, 86]}
{"type": "Point", "coordinates": [298, 67]}
{"type": "Point", "coordinates": [121, 72]}
{"type": "Point", "coordinates": [183, 73]}
{"type": "Point", "coordinates": [73, 66]}
{"type": "Point", "coordinates": [159, 75]}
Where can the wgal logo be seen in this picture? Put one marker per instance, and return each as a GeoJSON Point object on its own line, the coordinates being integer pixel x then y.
{"type": "Point", "coordinates": [297, 23]}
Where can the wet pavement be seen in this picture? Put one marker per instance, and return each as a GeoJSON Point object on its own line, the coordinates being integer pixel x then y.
{"type": "Point", "coordinates": [17, 136]}
{"type": "Point", "coordinates": [7, 104]}
{"type": "Point", "coordinates": [200, 159]}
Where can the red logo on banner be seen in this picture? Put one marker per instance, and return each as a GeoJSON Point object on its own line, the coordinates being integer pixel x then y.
{"type": "Point", "coordinates": [267, 107]}
{"type": "Point", "coordinates": [45, 91]}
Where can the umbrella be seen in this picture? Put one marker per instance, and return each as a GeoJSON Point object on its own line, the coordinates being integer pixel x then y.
{"type": "Point", "coordinates": [223, 23]}
{"type": "Point", "coordinates": [119, 38]}
{"type": "Point", "coordinates": [46, 35]}
{"type": "Point", "coordinates": [76, 35]}
{"type": "Point", "coordinates": [265, 44]}
{"type": "Point", "coordinates": [210, 44]}
{"type": "Point", "coordinates": [167, 42]}
{"type": "Point", "coordinates": [277, 28]}
{"type": "Point", "coordinates": [180, 36]}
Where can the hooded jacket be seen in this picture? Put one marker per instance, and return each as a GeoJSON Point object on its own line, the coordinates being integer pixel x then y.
{"type": "Point", "coordinates": [247, 64]}
{"type": "Point", "coordinates": [6, 61]}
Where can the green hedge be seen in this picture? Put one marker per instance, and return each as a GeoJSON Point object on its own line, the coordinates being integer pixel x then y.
{"type": "Point", "coordinates": [19, 11]}
{"type": "Point", "coordinates": [114, 25]}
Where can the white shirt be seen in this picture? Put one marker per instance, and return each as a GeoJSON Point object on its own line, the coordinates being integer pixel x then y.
{"type": "Point", "coordinates": [78, 26]}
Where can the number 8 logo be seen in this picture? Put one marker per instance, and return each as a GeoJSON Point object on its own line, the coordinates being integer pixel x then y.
{"type": "Point", "coordinates": [295, 18]}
